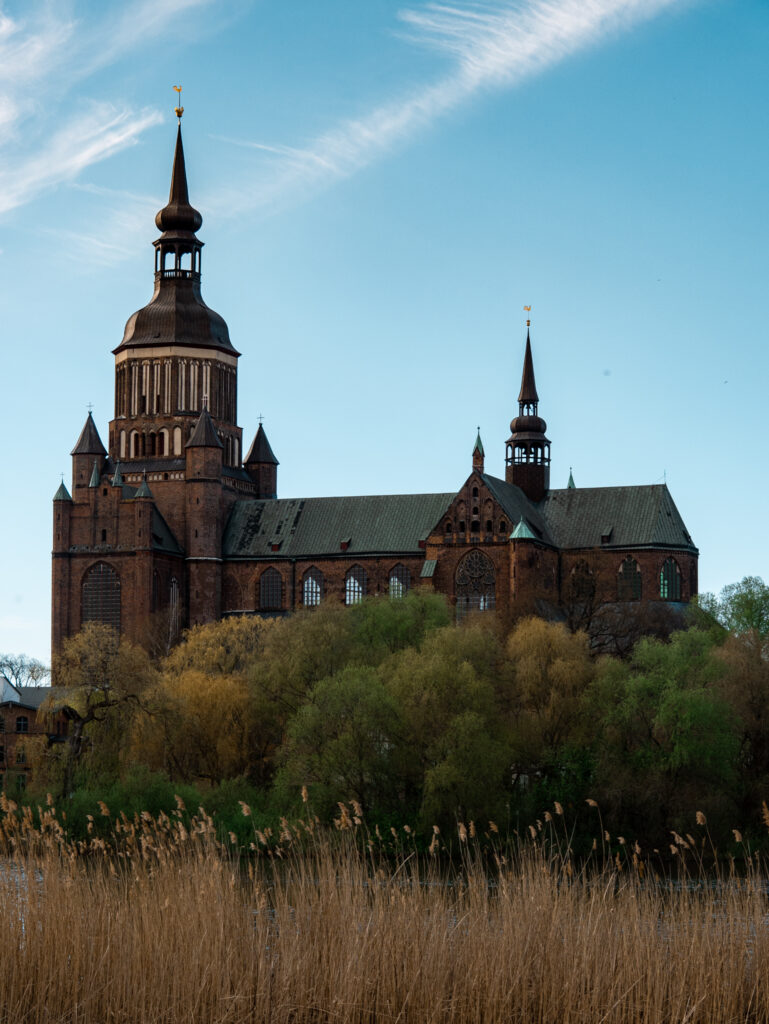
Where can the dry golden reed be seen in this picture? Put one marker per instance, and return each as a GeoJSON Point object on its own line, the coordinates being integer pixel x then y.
{"type": "Point", "coordinates": [159, 922]}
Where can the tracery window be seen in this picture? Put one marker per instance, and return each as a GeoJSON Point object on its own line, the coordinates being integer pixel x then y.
{"type": "Point", "coordinates": [475, 584]}
{"type": "Point", "coordinates": [629, 580]}
{"type": "Point", "coordinates": [670, 581]}
{"type": "Point", "coordinates": [312, 588]}
{"type": "Point", "coordinates": [271, 590]}
{"type": "Point", "coordinates": [355, 585]}
{"type": "Point", "coordinates": [400, 581]}
{"type": "Point", "coordinates": [101, 596]}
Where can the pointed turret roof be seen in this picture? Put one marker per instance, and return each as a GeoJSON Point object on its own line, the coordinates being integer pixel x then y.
{"type": "Point", "coordinates": [143, 490]}
{"type": "Point", "coordinates": [117, 478]}
{"type": "Point", "coordinates": [478, 445]}
{"type": "Point", "coordinates": [523, 531]}
{"type": "Point", "coordinates": [89, 442]}
{"type": "Point", "coordinates": [570, 485]}
{"type": "Point", "coordinates": [62, 494]}
{"type": "Point", "coordinates": [204, 435]}
{"type": "Point", "coordinates": [95, 475]}
{"type": "Point", "coordinates": [260, 450]}
{"type": "Point", "coordinates": [179, 214]}
{"type": "Point", "coordinates": [528, 393]}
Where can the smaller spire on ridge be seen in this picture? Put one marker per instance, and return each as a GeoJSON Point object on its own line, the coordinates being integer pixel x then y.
{"type": "Point", "coordinates": [571, 485]}
{"type": "Point", "coordinates": [95, 474]}
{"type": "Point", "coordinates": [478, 453]}
{"type": "Point", "coordinates": [260, 451]}
{"type": "Point", "coordinates": [117, 479]}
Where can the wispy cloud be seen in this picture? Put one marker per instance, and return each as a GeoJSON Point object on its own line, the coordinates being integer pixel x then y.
{"type": "Point", "coordinates": [491, 45]}
{"type": "Point", "coordinates": [47, 138]}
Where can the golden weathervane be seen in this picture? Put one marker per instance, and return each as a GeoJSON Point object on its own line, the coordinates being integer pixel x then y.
{"type": "Point", "coordinates": [528, 310]}
{"type": "Point", "coordinates": [179, 110]}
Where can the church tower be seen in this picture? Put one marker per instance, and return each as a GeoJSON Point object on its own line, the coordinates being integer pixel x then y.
{"type": "Point", "coordinates": [175, 356]}
{"type": "Point", "coordinates": [527, 456]}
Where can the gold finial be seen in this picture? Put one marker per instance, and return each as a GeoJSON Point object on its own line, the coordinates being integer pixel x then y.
{"type": "Point", "coordinates": [528, 320]}
{"type": "Point", "coordinates": [179, 110]}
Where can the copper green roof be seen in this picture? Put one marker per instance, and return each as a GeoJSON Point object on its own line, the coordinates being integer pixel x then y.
{"type": "Point", "coordinates": [523, 531]}
{"type": "Point", "coordinates": [117, 477]}
{"type": "Point", "coordinates": [478, 445]}
{"type": "Point", "coordinates": [315, 527]}
{"type": "Point", "coordinates": [62, 494]}
{"type": "Point", "coordinates": [143, 490]}
{"type": "Point", "coordinates": [571, 483]}
{"type": "Point", "coordinates": [89, 442]}
{"type": "Point", "coordinates": [95, 475]}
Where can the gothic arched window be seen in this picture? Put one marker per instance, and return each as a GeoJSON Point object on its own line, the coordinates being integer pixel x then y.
{"type": "Point", "coordinates": [312, 588]}
{"type": "Point", "coordinates": [355, 585]}
{"type": "Point", "coordinates": [400, 581]}
{"type": "Point", "coordinates": [271, 591]}
{"type": "Point", "coordinates": [101, 596]}
{"type": "Point", "coordinates": [629, 580]}
{"type": "Point", "coordinates": [173, 609]}
{"type": "Point", "coordinates": [670, 580]}
{"type": "Point", "coordinates": [475, 584]}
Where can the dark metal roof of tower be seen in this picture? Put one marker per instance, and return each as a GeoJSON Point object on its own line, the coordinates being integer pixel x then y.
{"type": "Point", "coordinates": [89, 442]}
{"type": "Point", "coordinates": [176, 315]}
{"type": "Point", "coordinates": [260, 450]}
{"type": "Point", "coordinates": [528, 393]}
{"type": "Point", "coordinates": [204, 435]}
{"type": "Point", "coordinates": [179, 215]}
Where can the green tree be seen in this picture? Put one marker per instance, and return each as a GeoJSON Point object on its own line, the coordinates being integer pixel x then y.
{"type": "Point", "coordinates": [666, 739]}
{"type": "Point", "coordinates": [341, 741]}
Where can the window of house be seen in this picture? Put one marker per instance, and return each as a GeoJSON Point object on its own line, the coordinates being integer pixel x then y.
{"type": "Point", "coordinates": [21, 783]}
{"type": "Point", "coordinates": [21, 755]}
{"type": "Point", "coordinates": [670, 581]}
{"type": "Point", "coordinates": [400, 581]}
{"type": "Point", "coordinates": [22, 724]}
{"type": "Point", "coordinates": [629, 580]}
{"type": "Point", "coordinates": [271, 590]}
{"type": "Point", "coordinates": [355, 585]}
{"type": "Point", "coordinates": [312, 588]}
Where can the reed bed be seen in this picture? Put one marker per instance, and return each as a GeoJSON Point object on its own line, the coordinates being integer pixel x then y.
{"type": "Point", "coordinates": [162, 922]}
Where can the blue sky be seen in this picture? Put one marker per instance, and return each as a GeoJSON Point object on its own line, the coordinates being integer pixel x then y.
{"type": "Point", "coordinates": [384, 186]}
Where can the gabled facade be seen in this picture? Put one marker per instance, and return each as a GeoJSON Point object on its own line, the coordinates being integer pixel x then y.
{"type": "Point", "coordinates": [170, 525]}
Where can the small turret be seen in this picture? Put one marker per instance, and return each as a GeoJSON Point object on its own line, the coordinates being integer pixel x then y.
{"type": "Point", "coordinates": [204, 462]}
{"type": "Point", "coordinates": [87, 448]}
{"type": "Point", "coordinates": [262, 466]}
{"type": "Point", "coordinates": [478, 453]}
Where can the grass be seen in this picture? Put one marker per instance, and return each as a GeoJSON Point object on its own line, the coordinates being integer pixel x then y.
{"type": "Point", "coordinates": [160, 922]}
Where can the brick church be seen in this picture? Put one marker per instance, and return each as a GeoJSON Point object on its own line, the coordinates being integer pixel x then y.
{"type": "Point", "coordinates": [173, 524]}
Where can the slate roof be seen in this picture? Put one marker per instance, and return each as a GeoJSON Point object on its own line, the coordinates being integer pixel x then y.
{"type": "Point", "coordinates": [314, 527]}
{"type": "Point", "coordinates": [204, 435]}
{"type": "Point", "coordinates": [62, 494]}
{"type": "Point", "coordinates": [260, 450]}
{"type": "Point", "coordinates": [89, 442]}
{"type": "Point", "coordinates": [517, 506]}
{"type": "Point", "coordinates": [644, 516]}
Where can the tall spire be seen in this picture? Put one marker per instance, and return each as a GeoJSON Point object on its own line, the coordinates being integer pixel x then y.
{"type": "Point", "coordinates": [178, 214]}
{"type": "Point", "coordinates": [528, 394]}
{"type": "Point", "coordinates": [527, 458]}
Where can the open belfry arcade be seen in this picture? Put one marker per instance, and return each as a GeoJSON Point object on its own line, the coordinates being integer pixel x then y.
{"type": "Point", "coordinates": [173, 524]}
